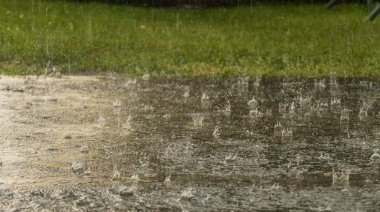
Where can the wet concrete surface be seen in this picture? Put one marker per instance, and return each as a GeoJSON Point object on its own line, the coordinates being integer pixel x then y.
{"type": "Point", "coordinates": [191, 144]}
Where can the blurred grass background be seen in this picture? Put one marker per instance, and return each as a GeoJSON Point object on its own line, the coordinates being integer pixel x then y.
{"type": "Point", "coordinates": [280, 40]}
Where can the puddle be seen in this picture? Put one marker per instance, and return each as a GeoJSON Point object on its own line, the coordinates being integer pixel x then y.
{"type": "Point", "coordinates": [189, 144]}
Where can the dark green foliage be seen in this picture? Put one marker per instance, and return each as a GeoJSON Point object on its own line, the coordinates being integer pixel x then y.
{"type": "Point", "coordinates": [209, 3]}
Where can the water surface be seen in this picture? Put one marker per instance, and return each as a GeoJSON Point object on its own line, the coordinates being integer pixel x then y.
{"type": "Point", "coordinates": [190, 143]}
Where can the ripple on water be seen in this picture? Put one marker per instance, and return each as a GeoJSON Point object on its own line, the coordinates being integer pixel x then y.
{"type": "Point", "coordinates": [189, 144]}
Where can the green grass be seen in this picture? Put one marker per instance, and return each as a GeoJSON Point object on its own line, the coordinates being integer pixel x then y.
{"type": "Point", "coordinates": [264, 39]}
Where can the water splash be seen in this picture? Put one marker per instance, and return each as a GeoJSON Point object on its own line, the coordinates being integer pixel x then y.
{"type": "Point", "coordinates": [186, 94]}
{"type": "Point", "coordinates": [345, 117]}
{"type": "Point", "coordinates": [134, 177]}
{"type": "Point", "coordinates": [341, 177]}
{"type": "Point", "coordinates": [243, 83]}
{"type": "Point", "coordinates": [78, 167]}
{"type": "Point", "coordinates": [335, 103]}
{"type": "Point", "coordinates": [197, 119]}
{"type": "Point", "coordinates": [117, 103]}
{"type": "Point", "coordinates": [253, 104]}
{"type": "Point", "coordinates": [84, 149]}
{"type": "Point", "coordinates": [324, 157]}
{"type": "Point", "coordinates": [376, 131]}
{"type": "Point", "coordinates": [130, 84]}
{"type": "Point", "coordinates": [254, 113]}
{"type": "Point", "coordinates": [168, 180]}
{"type": "Point", "coordinates": [287, 135]}
{"type": "Point", "coordinates": [257, 82]}
{"type": "Point", "coordinates": [278, 130]}
{"type": "Point", "coordinates": [375, 157]}
{"type": "Point", "coordinates": [304, 102]}
{"type": "Point", "coordinates": [127, 125]}
{"type": "Point", "coordinates": [216, 132]}
{"type": "Point", "coordinates": [320, 85]}
{"type": "Point", "coordinates": [205, 100]}
{"type": "Point", "coordinates": [230, 159]}
{"type": "Point", "coordinates": [115, 174]}
{"type": "Point", "coordinates": [282, 107]}
{"type": "Point", "coordinates": [363, 113]}
{"type": "Point", "coordinates": [101, 121]}
{"type": "Point", "coordinates": [227, 109]}
{"type": "Point", "coordinates": [187, 194]}
{"type": "Point", "coordinates": [125, 191]}
{"type": "Point", "coordinates": [145, 77]}
{"type": "Point", "coordinates": [333, 82]}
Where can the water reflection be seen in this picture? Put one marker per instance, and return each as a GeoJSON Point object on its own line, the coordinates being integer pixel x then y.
{"type": "Point", "coordinates": [307, 118]}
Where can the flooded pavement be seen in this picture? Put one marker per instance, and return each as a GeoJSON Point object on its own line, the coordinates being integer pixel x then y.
{"type": "Point", "coordinates": [191, 144]}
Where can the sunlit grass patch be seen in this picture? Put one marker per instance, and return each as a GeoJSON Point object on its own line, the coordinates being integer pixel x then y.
{"type": "Point", "coordinates": [262, 39]}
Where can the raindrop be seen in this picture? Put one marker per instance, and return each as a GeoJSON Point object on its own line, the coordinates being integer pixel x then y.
{"type": "Point", "coordinates": [276, 186]}
{"type": "Point", "coordinates": [129, 118]}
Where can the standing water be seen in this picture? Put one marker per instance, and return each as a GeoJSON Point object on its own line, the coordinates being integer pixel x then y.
{"type": "Point", "coordinates": [189, 144]}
